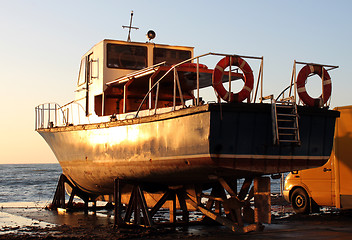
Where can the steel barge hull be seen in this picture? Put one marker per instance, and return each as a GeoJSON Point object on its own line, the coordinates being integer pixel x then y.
{"type": "Point", "coordinates": [190, 145]}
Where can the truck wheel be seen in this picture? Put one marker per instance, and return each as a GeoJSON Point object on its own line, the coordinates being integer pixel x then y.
{"type": "Point", "coordinates": [300, 201]}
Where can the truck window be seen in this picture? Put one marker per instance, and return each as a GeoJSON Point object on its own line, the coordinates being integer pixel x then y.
{"type": "Point", "coordinates": [126, 56]}
{"type": "Point", "coordinates": [171, 56]}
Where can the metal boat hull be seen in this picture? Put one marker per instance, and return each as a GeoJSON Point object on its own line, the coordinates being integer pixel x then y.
{"type": "Point", "coordinates": [188, 146]}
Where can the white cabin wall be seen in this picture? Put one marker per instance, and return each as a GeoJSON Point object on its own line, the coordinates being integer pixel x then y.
{"type": "Point", "coordinates": [100, 74]}
{"type": "Point", "coordinates": [95, 84]}
{"type": "Point", "coordinates": [97, 76]}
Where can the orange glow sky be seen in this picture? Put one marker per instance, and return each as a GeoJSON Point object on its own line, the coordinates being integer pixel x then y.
{"type": "Point", "coordinates": [42, 43]}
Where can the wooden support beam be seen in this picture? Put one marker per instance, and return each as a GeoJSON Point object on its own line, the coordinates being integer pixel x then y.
{"type": "Point", "coordinates": [235, 227]}
{"type": "Point", "coordinates": [160, 203]}
{"type": "Point", "coordinates": [137, 206]}
{"type": "Point", "coordinates": [70, 201]}
{"type": "Point", "coordinates": [244, 189]}
{"type": "Point", "coordinates": [59, 197]}
{"type": "Point", "coordinates": [262, 200]}
{"type": "Point", "coordinates": [216, 217]}
{"type": "Point", "coordinates": [211, 197]}
{"type": "Point", "coordinates": [172, 208]}
{"type": "Point", "coordinates": [248, 212]}
{"type": "Point", "coordinates": [227, 187]}
{"type": "Point", "coordinates": [209, 204]}
{"type": "Point", "coordinates": [181, 195]}
{"type": "Point", "coordinates": [130, 207]}
{"type": "Point", "coordinates": [117, 199]}
{"type": "Point", "coordinates": [137, 209]}
{"type": "Point", "coordinates": [144, 208]}
{"type": "Point", "coordinates": [218, 192]}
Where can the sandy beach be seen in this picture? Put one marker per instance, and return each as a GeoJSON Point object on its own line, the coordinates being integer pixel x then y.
{"type": "Point", "coordinates": [32, 221]}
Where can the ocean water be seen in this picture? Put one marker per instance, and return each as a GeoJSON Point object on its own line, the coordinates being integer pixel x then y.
{"type": "Point", "coordinates": [37, 182]}
{"type": "Point", "coordinates": [28, 182]}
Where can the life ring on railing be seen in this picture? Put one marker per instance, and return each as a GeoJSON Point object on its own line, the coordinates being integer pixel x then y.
{"type": "Point", "coordinates": [218, 73]}
{"type": "Point", "coordinates": [301, 85]}
{"type": "Point", "coordinates": [194, 65]}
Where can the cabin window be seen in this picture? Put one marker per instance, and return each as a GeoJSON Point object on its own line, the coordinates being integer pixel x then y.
{"type": "Point", "coordinates": [171, 56]}
{"type": "Point", "coordinates": [126, 56]}
{"type": "Point", "coordinates": [94, 68]}
{"type": "Point", "coordinates": [82, 72]}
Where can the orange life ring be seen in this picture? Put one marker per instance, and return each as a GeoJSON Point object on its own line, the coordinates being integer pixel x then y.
{"type": "Point", "coordinates": [194, 65]}
{"type": "Point", "coordinates": [301, 88]}
{"type": "Point", "coordinates": [218, 73]}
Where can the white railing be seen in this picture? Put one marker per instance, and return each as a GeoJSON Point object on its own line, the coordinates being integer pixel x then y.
{"type": "Point", "coordinates": [177, 85]}
{"type": "Point", "coordinates": [75, 113]}
{"type": "Point", "coordinates": [49, 115]}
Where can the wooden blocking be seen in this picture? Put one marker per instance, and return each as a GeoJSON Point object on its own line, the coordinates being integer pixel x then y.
{"type": "Point", "coordinates": [248, 214]}
{"type": "Point", "coordinates": [179, 195]}
{"type": "Point", "coordinates": [216, 217]}
{"type": "Point", "coordinates": [144, 208]}
{"type": "Point", "coordinates": [172, 208]}
{"type": "Point", "coordinates": [245, 187]}
{"type": "Point", "coordinates": [262, 200]}
{"type": "Point", "coordinates": [59, 197]}
{"type": "Point", "coordinates": [138, 206]}
{"type": "Point", "coordinates": [117, 200]}
{"type": "Point", "coordinates": [232, 203]}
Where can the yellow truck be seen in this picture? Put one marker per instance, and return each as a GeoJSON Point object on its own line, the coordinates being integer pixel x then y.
{"type": "Point", "coordinates": [331, 184]}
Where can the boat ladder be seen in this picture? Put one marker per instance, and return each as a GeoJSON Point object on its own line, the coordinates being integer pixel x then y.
{"type": "Point", "coordinates": [285, 121]}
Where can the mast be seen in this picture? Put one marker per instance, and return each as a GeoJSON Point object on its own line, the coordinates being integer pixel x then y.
{"type": "Point", "coordinates": [129, 28]}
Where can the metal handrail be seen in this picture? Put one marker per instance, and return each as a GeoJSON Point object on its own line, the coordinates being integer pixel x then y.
{"type": "Point", "coordinates": [40, 115]}
{"type": "Point", "coordinates": [176, 80]}
{"type": "Point", "coordinates": [69, 106]}
{"type": "Point", "coordinates": [47, 115]}
{"type": "Point", "coordinates": [144, 70]}
{"type": "Point", "coordinates": [162, 77]}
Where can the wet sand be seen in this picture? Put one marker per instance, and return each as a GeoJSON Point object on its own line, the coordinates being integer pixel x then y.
{"type": "Point", "coordinates": [32, 221]}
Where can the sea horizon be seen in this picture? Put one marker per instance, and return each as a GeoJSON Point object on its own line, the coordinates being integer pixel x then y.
{"type": "Point", "coordinates": [28, 182]}
{"type": "Point", "coordinates": [32, 182]}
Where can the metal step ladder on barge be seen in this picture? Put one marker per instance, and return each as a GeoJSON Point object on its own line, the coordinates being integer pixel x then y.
{"type": "Point", "coordinates": [285, 121]}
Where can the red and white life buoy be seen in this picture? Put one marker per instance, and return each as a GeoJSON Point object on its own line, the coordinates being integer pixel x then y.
{"type": "Point", "coordinates": [301, 85]}
{"type": "Point", "coordinates": [218, 74]}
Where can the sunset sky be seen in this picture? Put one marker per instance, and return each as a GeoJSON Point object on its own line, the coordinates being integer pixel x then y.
{"type": "Point", "coordinates": [42, 43]}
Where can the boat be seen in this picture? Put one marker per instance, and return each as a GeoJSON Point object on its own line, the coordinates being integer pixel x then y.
{"type": "Point", "coordinates": [138, 116]}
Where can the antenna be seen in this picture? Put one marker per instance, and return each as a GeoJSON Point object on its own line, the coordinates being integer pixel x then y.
{"type": "Point", "coordinates": [130, 27]}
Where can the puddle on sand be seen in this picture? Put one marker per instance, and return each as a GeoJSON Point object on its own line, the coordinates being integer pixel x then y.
{"type": "Point", "coordinates": [16, 224]}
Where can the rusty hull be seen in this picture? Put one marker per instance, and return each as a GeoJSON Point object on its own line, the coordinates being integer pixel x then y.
{"type": "Point", "coordinates": [188, 146]}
